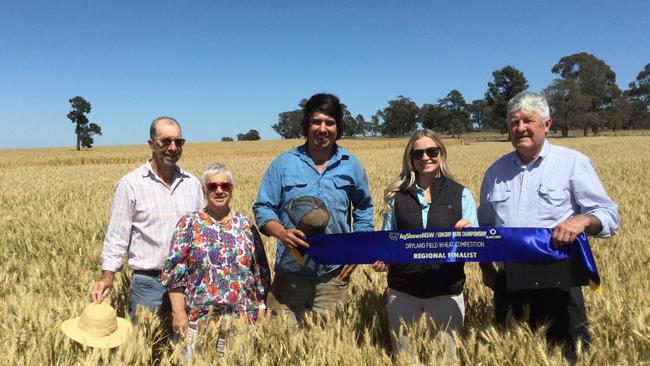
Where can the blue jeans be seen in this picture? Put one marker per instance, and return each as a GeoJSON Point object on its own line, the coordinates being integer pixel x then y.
{"type": "Point", "coordinates": [147, 291]}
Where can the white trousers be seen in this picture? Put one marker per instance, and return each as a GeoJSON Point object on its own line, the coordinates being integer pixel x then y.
{"type": "Point", "coordinates": [447, 313]}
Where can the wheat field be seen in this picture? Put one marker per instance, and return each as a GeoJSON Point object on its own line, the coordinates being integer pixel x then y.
{"type": "Point", "coordinates": [54, 207]}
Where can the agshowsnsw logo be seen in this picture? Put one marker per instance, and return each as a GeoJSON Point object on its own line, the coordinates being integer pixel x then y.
{"type": "Point", "coordinates": [406, 236]}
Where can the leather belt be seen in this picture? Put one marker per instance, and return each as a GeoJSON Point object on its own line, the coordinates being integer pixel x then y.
{"type": "Point", "coordinates": [149, 273]}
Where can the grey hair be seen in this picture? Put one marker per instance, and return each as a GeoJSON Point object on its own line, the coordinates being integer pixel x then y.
{"type": "Point", "coordinates": [214, 169]}
{"type": "Point", "coordinates": [527, 101]}
{"type": "Point", "coordinates": [154, 125]}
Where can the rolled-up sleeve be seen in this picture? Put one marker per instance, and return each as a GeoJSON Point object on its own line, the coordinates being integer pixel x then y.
{"type": "Point", "coordinates": [267, 203]}
{"type": "Point", "coordinates": [592, 199]}
{"type": "Point", "coordinates": [118, 234]}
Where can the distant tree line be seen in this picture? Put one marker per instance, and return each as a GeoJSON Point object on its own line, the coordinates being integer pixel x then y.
{"type": "Point", "coordinates": [583, 96]}
{"type": "Point", "coordinates": [251, 135]}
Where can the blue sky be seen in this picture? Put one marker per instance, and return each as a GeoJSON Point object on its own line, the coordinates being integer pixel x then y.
{"type": "Point", "coordinates": [225, 67]}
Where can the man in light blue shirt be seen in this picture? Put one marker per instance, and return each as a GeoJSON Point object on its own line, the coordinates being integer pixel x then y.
{"type": "Point", "coordinates": [322, 169]}
{"type": "Point", "coordinates": [543, 185]}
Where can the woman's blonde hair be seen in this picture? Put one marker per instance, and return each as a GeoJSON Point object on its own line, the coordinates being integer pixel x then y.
{"type": "Point", "coordinates": [407, 177]}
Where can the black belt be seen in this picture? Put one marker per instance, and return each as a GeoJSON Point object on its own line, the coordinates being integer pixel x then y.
{"type": "Point", "coordinates": [149, 273]}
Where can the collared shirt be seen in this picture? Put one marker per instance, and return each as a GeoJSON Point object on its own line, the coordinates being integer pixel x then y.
{"type": "Point", "coordinates": [143, 217]}
{"type": "Point", "coordinates": [468, 207]}
{"type": "Point", "coordinates": [558, 184]}
{"type": "Point", "coordinates": [341, 183]}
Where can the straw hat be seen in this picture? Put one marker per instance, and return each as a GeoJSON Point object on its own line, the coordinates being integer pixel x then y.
{"type": "Point", "coordinates": [309, 214]}
{"type": "Point", "coordinates": [98, 326]}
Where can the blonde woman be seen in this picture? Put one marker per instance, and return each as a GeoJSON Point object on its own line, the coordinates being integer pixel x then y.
{"type": "Point", "coordinates": [424, 195]}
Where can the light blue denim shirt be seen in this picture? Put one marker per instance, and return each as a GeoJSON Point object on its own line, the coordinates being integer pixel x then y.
{"type": "Point", "coordinates": [558, 184]}
{"type": "Point", "coordinates": [468, 209]}
{"type": "Point", "coordinates": [341, 184]}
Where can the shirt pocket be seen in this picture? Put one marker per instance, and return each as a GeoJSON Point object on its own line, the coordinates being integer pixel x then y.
{"type": "Point", "coordinates": [552, 202]}
{"type": "Point", "coordinates": [500, 202]}
{"type": "Point", "coordinates": [294, 186]}
{"type": "Point", "coordinates": [342, 190]}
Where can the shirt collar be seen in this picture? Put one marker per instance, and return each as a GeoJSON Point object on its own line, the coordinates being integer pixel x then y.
{"type": "Point", "coordinates": [146, 171]}
{"type": "Point", "coordinates": [540, 157]}
{"type": "Point", "coordinates": [339, 154]}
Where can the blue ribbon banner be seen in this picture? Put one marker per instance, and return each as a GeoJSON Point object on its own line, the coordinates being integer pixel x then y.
{"type": "Point", "coordinates": [483, 244]}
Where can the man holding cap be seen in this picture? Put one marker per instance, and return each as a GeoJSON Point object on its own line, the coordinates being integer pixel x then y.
{"type": "Point", "coordinates": [322, 169]}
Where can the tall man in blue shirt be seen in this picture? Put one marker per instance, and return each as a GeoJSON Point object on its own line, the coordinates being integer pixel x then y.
{"type": "Point", "coordinates": [323, 169]}
{"type": "Point", "coordinates": [543, 185]}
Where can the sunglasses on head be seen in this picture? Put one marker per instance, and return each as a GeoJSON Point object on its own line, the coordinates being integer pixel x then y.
{"type": "Point", "coordinates": [432, 152]}
{"type": "Point", "coordinates": [225, 186]}
{"type": "Point", "coordinates": [167, 141]}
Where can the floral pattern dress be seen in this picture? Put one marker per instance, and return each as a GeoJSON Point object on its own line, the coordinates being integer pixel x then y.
{"type": "Point", "coordinates": [221, 266]}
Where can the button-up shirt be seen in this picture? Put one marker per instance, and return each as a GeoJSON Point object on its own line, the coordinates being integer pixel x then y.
{"type": "Point", "coordinates": [342, 183]}
{"type": "Point", "coordinates": [143, 217]}
{"type": "Point", "coordinates": [468, 209]}
{"type": "Point", "coordinates": [558, 184]}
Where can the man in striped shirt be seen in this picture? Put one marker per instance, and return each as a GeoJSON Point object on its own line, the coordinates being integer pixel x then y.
{"type": "Point", "coordinates": [148, 203]}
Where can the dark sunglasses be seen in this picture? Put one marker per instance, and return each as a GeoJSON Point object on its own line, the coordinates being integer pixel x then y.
{"type": "Point", "coordinates": [432, 152]}
{"type": "Point", "coordinates": [225, 186]}
{"type": "Point", "coordinates": [166, 141]}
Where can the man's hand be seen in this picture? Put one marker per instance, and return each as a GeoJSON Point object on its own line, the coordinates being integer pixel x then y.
{"type": "Point", "coordinates": [102, 287]}
{"type": "Point", "coordinates": [567, 231]}
{"type": "Point", "coordinates": [346, 271]}
{"type": "Point", "coordinates": [380, 266]}
{"type": "Point", "coordinates": [293, 238]}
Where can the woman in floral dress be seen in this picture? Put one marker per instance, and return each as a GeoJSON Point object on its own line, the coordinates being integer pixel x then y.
{"type": "Point", "coordinates": [217, 263]}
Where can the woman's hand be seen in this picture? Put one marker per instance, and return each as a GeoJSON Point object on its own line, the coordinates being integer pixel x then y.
{"type": "Point", "coordinates": [380, 266]}
{"type": "Point", "coordinates": [180, 322]}
{"type": "Point", "coordinates": [261, 314]}
{"type": "Point", "coordinates": [461, 224]}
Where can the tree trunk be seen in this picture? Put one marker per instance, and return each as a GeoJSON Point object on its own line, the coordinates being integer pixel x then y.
{"type": "Point", "coordinates": [78, 142]}
{"type": "Point", "coordinates": [585, 131]}
{"type": "Point", "coordinates": [565, 131]}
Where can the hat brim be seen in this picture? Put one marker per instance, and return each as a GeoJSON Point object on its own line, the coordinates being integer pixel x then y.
{"type": "Point", "coordinates": [71, 328]}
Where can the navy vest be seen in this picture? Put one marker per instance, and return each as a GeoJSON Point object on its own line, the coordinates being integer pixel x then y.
{"type": "Point", "coordinates": [425, 280]}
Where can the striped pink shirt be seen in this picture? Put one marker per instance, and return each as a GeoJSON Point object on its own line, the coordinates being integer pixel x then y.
{"type": "Point", "coordinates": [143, 217]}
